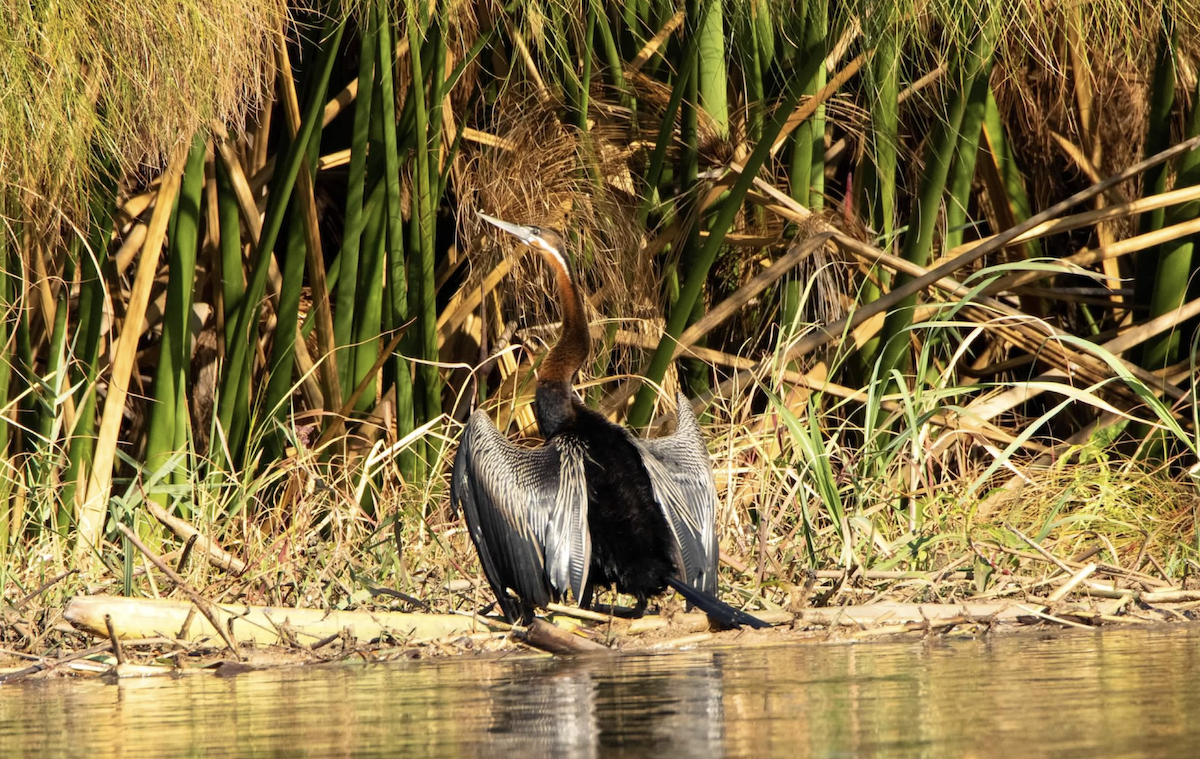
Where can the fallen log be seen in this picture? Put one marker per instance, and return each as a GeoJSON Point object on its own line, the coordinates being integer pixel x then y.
{"type": "Point", "coordinates": [899, 613]}
{"type": "Point", "coordinates": [141, 618]}
{"type": "Point", "coordinates": [541, 634]}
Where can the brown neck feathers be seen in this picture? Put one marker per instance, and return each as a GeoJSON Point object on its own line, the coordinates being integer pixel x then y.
{"type": "Point", "coordinates": [573, 344]}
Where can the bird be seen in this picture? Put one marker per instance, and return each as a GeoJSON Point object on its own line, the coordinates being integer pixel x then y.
{"type": "Point", "coordinates": [594, 506]}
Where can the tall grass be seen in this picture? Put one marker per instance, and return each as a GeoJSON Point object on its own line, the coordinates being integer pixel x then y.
{"type": "Point", "coordinates": [253, 293]}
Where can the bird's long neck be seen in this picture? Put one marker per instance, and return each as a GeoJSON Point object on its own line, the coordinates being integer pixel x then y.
{"type": "Point", "coordinates": [555, 398]}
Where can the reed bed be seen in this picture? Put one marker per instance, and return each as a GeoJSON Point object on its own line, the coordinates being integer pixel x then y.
{"type": "Point", "coordinates": [926, 268]}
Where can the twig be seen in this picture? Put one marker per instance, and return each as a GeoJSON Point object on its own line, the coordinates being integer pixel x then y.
{"type": "Point", "coordinates": [572, 611]}
{"type": "Point", "coordinates": [47, 663]}
{"type": "Point", "coordinates": [43, 588]}
{"type": "Point", "coordinates": [1169, 596]}
{"type": "Point", "coordinates": [202, 603]}
{"type": "Point", "coordinates": [1072, 583]}
{"type": "Point", "coordinates": [116, 642]}
{"type": "Point", "coordinates": [187, 552]}
{"type": "Point", "coordinates": [1054, 619]}
{"type": "Point", "coordinates": [217, 556]}
{"type": "Point", "coordinates": [1051, 557]}
{"type": "Point", "coordinates": [686, 640]}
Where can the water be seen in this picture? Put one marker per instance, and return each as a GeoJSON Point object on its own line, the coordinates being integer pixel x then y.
{"type": "Point", "coordinates": [1123, 693]}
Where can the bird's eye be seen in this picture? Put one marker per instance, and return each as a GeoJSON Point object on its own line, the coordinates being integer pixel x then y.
{"type": "Point", "coordinates": [536, 230]}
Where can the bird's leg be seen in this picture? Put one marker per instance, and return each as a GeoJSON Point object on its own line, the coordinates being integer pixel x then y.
{"type": "Point", "coordinates": [639, 609]}
{"type": "Point", "coordinates": [585, 600]}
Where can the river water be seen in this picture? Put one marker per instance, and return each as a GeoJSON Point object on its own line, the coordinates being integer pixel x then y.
{"type": "Point", "coordinates": [1120, 693]}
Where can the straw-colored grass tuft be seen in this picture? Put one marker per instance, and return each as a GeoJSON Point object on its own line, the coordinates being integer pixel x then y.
{"type": "Point", "coordinates": [96, 87]}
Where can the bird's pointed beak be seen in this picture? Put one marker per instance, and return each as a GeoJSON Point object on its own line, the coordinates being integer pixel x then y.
{"type": "Point", "coordinates": [524, 234]}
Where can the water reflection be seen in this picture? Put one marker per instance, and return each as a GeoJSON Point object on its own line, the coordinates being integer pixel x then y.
{"type": "Point", "coordinates": [1121, 693]}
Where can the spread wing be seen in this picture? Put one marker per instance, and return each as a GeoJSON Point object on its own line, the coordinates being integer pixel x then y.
{"type": "Point", "coordinates": [681, 475]}
{"type": "Point", "coordinates": [526, 510]}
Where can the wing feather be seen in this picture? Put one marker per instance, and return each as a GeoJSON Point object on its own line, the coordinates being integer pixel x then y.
{"type": "Point", "coordinates": [526, 511]}
{"type": "Point", "coordinates": [681, 474]}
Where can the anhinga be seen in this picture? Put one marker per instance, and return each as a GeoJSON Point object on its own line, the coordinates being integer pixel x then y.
{"type": "Point", "coordinates": [594, 506]}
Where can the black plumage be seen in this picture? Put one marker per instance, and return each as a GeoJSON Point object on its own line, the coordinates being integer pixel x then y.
{"type": "Point", "coordinates": [595, 506]}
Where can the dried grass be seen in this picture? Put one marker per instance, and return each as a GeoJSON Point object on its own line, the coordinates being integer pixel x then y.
{"type": "Point", "coordinates": [95, 87]}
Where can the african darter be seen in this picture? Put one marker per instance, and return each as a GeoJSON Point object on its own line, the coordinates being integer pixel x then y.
{"type": "Point", "coordinates": [594, 506]}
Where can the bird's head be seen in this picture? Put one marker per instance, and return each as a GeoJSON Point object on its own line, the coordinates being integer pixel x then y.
{"type": "Point", "coordinates": [546, 242]}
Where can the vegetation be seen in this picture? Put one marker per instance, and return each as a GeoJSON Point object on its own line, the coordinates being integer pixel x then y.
{"type": "Point", "coordinates": [246, 293]}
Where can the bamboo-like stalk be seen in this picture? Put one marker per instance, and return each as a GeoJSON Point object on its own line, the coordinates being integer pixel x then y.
{"type": "Point", "coordinates": [306, 218]}
{"type": "Point", "coordinates": [1175, 259]}
{"type": "Point", "coordinates": [695, 378]}
{"type": "Point", "coordinates": [918, 243]}
{"type": "Point", "coordinates": [666, 130]}
{"type": "Point", "coordinates": [425, 217]}
{"type": "Point", "coordinates": [1158, 137]}
{"type": "Point", "coordinates": [283, 346]}
{"type": "Point", "coordinates": [95, 505]}
{"type": "Point", "coordinates": [807, 168]}
{"type": "Point", "coordinates": [829, 332]}
{"type": "Point", "coordinates": [233, 282]}
{"type": "Point", "coordinates": [878, 183]}
{"type": "Point", "coordinates": [369, 309]}
{"type": "Point", "coordinates": [9, 523]}
{"type": "Point", "coordinates": [170, 379]}
{"type": "Point", "coordinates": [234, 404]}
{"type": "Point", "coordinates": [958, 196]}
{"type": "Point", "coordinates": [347, 288]}
{"type": "Point", "coordinates": [712, 77]}
{"type": "Point", "coordinates": [639, 414]}
{"type": "Point", "coordinates": [86, 368]}
{"type": "Point", "coordinates": [398, 289]}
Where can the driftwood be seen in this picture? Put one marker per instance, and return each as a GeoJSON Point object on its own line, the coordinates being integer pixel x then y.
{"type": "Point", "coordinates": [140, 618]}
{"type": "Point", "coordinates": [895, 613]}
{"type": "Point", "coordinates": [543, 635]}
{"type": "Point", "coordinates": [217, 556]}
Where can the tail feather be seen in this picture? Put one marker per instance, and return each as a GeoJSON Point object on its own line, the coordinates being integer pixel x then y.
{"type": "Point", "coordinates": [717, 610]}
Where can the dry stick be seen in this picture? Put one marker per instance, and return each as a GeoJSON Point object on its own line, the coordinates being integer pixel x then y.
{"type": "Point", "coordinates": [836, 149]}
{"type": "Point", "coordinates": [836, 329]}
{"type": "Point", "coordinates": [541, 634]}
{"type": "Point", "coordinates": [1071, 584]}
{"type": "Point", "coordinates": [1035, 546]}
{"type": "Point", "coordinates": [91, 514]}
{"type": "Point", "coordinates": [1101, 567]}
{"type": "Point", "coordinates": [527, 59]}
{"type": "Point", "coordinates": [253, 220]}
{"type": "Point", "coordinates": [810, 106]}
{"type": "Point", "coordinates": [1030, 340]}
{"type": "Point", "coordinates": [571, 611]}
{"type": "Point", "coordinates": [116, 642]}
{"type": "Point", "coordinates": [990, 407]}
{"type": "Point", "coordinates": [1090, 218]}
{"type": "Point", "coordinates": [1170, 596]}
{"type": "Point", "coordinates": [680, 642]}
{"type": "Point", "coordinates": [43, 588]}
{"type": "Point", "coordinates": [350, 91]}
{"type": "Point", "coordinates": [1101, 253]}
{"type": "Point", "coordinates": [186, 553]}
{"type": "Point", "coordinates": [748, 291]}
{"type": "Point", "coordinates": [203, 604]}
{"type": "Point", "coordinates": [656, 42]}
{"type": "Point", "coordinates": [47, 663]}
{"type": "Point", "coordinates": [466, 301]}
{"type": "Point", "coordinates": [1054, 619]}
{"type": "Point", "coordinates": [1074, 362]}
{"type": "Point", "coordinates": [217, 556]}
